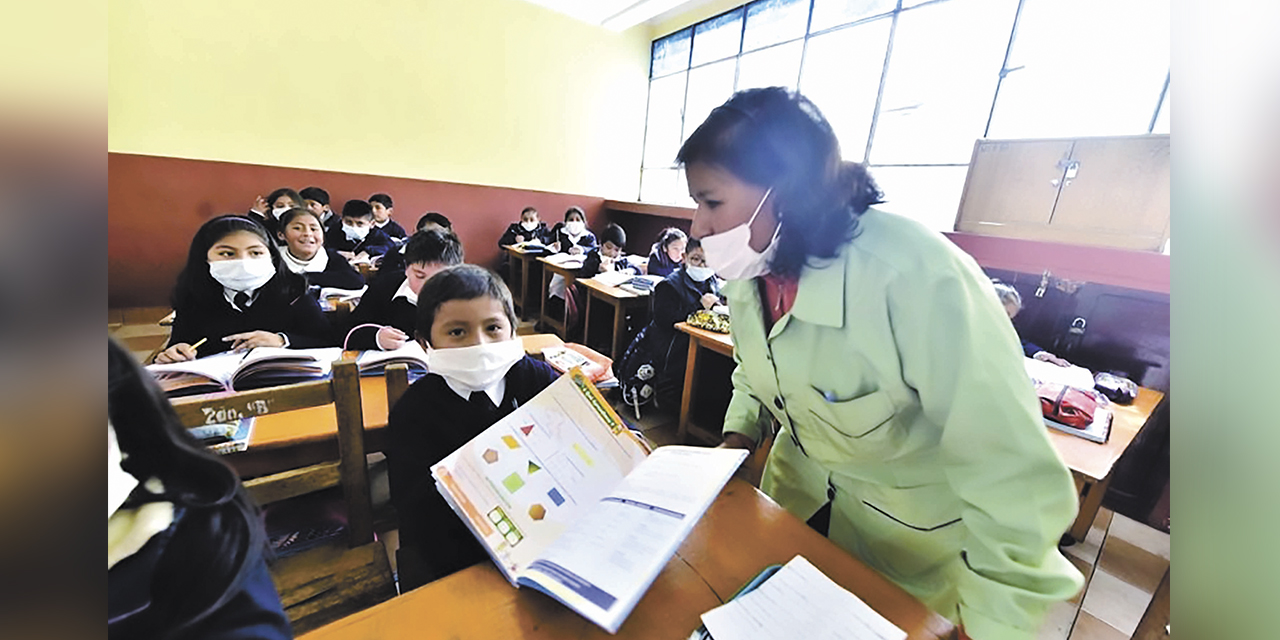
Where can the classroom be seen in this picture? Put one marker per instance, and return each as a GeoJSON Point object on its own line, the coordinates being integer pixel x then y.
{"type": "Point", "coordinates": [1002, 228]}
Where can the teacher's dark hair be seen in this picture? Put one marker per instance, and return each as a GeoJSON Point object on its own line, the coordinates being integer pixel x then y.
{"type": "Point", "coordinates": [775, 138]}
{"type": "Point", "coordinates": [219, 536]}
{"type": "Point", "coordinates": [196, 289]}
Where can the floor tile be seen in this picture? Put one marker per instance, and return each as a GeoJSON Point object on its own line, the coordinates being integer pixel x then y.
{"type": "Point", "coordinates": [1115, 601]}
{"type": "Point", "coordinates": [1088, 548]}
{"type": "Point", "coordinates": [1141, 535]}
{"type": "Point", "coordinates": [1085, 570]}
{"type": "Point", "coordinates": [1132, 564]}
{"type": "Point", "coordinates": [1088, 627]}
{"type": "Point", "coordinates": [1057, 624]}
{"type": "Point", "coordinates": [1103, 519]}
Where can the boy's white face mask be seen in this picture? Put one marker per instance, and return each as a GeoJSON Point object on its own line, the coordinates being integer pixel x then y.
{"type": "Point", "coordinates": [478, 367]}
{"type": "Point", "coordinates": [120, 483]}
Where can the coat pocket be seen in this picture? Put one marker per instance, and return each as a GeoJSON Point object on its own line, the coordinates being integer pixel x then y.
{"type": "Point", "coordinates": [852, 430]}
{"type": "Point", "coordinates": [910, 533]}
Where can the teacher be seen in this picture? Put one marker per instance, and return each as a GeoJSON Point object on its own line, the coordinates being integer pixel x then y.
{"type": "Point", "coordinates": [895, 376]}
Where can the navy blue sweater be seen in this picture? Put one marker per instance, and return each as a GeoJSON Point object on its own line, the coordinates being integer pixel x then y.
{"type": "Point", "coordinates": [300, 319]}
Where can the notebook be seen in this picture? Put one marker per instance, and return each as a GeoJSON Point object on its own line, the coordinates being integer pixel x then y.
{"type": "Point", "coordinates": [375, 363]}
{"type": "Point", "coordinates": [241, 371]}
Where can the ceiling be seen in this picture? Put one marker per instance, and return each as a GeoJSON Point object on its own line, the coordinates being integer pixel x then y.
{"type": "Point", "coordinates": [617, 15]}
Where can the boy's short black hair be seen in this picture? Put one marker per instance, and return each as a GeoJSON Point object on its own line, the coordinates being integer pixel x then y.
{"type": "Point", "coordinates": [463, 282]}
{"type": "Point", "coordinates": [613, 233]}
{"type": "Point", "coordinates": [527, 210]}
{"type": "Point", "coordinates": [381, 198]}
{"type": "Point", "coordinates": [357, 209]}
{"type": "Point", "coordinates": [433, 247]}
{"type": "Point", "coordinates": [435, 217]}
{"type": "Point", "coordinates": [315, 193]}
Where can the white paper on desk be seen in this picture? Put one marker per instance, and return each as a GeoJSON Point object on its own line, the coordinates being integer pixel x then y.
{"type": "Point", "coordinates": [1072, 376]}
{"type": "Point", "coordinates": [613, 278]}
{"type": "Point", "coordinates": [799, 601]}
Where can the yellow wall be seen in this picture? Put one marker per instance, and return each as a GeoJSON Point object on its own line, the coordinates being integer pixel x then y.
{"type": "Point", "coordinates": [492, 92]}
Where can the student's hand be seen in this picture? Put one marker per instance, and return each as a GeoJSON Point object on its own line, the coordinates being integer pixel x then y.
{"type": "Point", "coordinates": [555, 247]}
{"type": "Point", "coordinates": [575, 250]}
{"type": "Point", "coordinates": [519, 239]}
{"type": "Point", "coordinates": [607, 264]}
{"type": "Point", "coordinates": [347, 254]}
{"type": "Point", "coordinates": [1045, 356]}
{"type": "Point", "coordinates": [260, 205]}
{"type": "Point", "coordinates": [253, 340]}
{"type": "Point", "coordinates": [735, 440]}
{"type": "Point", "coordinates": [710, 300]}
{"type": "Point", "coordinates": [391, 338]}
{"type": "Point", "coordinates": [180, 352]}
{"type": "Point", "coordinates": [363, 256]}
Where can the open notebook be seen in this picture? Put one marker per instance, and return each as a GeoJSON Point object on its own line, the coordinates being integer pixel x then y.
{"type": "Point", "coordinates": [241, 371]}
{"type": "Point", "coordinates": [569, 501]}
{"type": "Point", "coordinates": [411, 354]}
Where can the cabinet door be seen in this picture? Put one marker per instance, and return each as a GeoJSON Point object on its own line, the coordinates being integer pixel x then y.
{"type": "Point", "coordinates": [1012, 187]}
{"type": "Point", "coordinates": [1119, 196]}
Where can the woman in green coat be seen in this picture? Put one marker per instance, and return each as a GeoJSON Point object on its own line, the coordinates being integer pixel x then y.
{"type": "Point", "coordinates": [895, 376]}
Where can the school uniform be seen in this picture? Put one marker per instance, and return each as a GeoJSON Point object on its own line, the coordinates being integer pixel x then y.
{"type": "Point", "coordinates": [300, 320]}
{"type": "Point", "coordinates": [431, 421]}
{"type": "Point", "coordinates": [902, 401]}
{"type": "Point", "coordinates": [375, 243]}
{"type": "Point", "coordinates": [558, 234]}
{"type": "Point", "coordinates": [392, 229]}
{"type": "Point", "coordinates": [654, 363]}
{"type": "Point", "coordinates": [388, 302]}
{"type": "Point", "coordinates": [540, 233]}
{"type": "Point", "coordinates": [661, 264]}
{"type": "Point", "coordinates": [593, 264]}
{"type": "Point", "coordinates": [325, 269]}
{"type": "Point", "coordinates": [268, 222]}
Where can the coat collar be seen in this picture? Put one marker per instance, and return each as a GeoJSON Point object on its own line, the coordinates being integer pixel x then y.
{"type": "Point", "coordinates": [820, 298]}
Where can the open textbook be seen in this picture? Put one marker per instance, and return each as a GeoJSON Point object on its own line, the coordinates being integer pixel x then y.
{"type": "Point", "coordinates": [569, 501]}
{"type": "Point", "coordinates": [411, 354]}
{"type": "Point", "coordinates": [244, 370]}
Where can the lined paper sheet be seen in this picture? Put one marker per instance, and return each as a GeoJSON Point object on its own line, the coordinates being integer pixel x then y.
{"type": "Point", "coordinates": [799, 601]}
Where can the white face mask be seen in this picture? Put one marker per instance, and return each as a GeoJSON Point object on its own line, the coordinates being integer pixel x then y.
{"type": "Point", "coordinates": [279, 211]}
{"type": "Point", "coordinates": [729, 253]}
{"type": "Point", "coordinates": [478, 367]}
{"type": "Point", "coordinates": [699, 274]}
{"type": "Point", "coordinates": [355, 234]}
{"type": "Point", "coordinates": [575, 228]}
{"type": "Point", "coordinates": [120, 483]}
{"type": "Point", "coordinates": [529, 226]}
{"type": "Point", "coordinates": [242, 275]}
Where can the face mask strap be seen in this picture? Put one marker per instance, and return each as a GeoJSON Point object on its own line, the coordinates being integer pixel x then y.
{"type": "Point", "coordinates": [760, 206]}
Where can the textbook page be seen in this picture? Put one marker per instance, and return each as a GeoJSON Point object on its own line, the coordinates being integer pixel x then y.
{"type": "Point", "coordinates": [605, 562]}
{"type": "Point", "coordinates": [520, 483]}
{"type": "Point", "coordinates": [1072, 376]}
{"type": "Point", "coordinates": [799, 601]}
{"type": "Point", "coordinates": [374, 362]}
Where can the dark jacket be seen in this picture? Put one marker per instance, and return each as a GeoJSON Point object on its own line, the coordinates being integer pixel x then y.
{"type": "Point", "coordinates": [393, 230]}
{"type": "Point", "coordinates": [587, 241]}
{"type": "Point", "coordinates": [338, 273]}
{"type": "Point", "coordinates": [661, 264]}
{"type": "Point", "coordinates": [591, 265]}
{"type": "Point", "coordinates": [428, 423]}
{"type": "Point", "coordinates": [542, 233]}
{"type": "Point", "coordinates": [375, 243]}
{"type": "Point", "coordinates": [377, 307]}
{"type": "Point", "coordinates": [269, 222]}
{"type": "Point", "coordinates": [299, 318]}
{"type": "Point", "coordinates": [252, 613]}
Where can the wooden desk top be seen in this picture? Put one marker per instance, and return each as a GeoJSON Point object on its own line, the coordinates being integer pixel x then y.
{"type": "Point", "coordinates": [523, 253]}
{"type": "Point", "coordinates": [570, 273]}
{"type": "Point", "coordinates": [1096, 460]}
{"type": "Point", "coordinates": [718, 342]}
{"type": "Point", "coordinates": [742, 533]}
{"type": "Point", "coordinates": [610, 291]}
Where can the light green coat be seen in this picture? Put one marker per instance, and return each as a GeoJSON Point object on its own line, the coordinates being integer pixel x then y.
{"type": "Point", "coordinates": [898, 383]}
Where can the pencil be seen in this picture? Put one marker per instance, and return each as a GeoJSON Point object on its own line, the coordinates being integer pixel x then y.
{"type": "Point", "coordinates": [198, 343]}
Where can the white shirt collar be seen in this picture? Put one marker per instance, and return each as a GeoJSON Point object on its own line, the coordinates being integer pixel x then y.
{"type": "Point", "coordinates": [494, 391]}
{"type": "Point", "coordinates": [230, 295]}
{"type": "Point", "coordinates": [316, 264]}
{"type": "Point", "coordinates": [407, 293]}
{"type": "Point", "coordinates": [381, 224]}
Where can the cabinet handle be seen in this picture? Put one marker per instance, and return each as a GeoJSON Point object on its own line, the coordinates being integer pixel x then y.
{"type": "Point", "coordinates": [1072, 170]}
{"type": "Point", "coordinates": [1054, 183]}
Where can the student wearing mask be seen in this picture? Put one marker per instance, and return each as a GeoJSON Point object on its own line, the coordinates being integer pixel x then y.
{"type": "Point", "coordinates": [652, 368]}
{"type": "Point", "coordinates": [608, 256]}
{"type": "Point", "coordinates": [879, 347]}
{"type": "Point", "coordinates": [668, 252]}
{"type": "Point", "coordinates": [316, 201]}
{"type": "Point", "coordinates": [358, 239]}
{"type": "Point", "coordinates": [186, 552]}
{"type": "Point", "coordinates": [304, 253]}
{"type": "Point", "coordinates": [235, 293]}
{"type": "Point", "coordinates": [479, 375]}
{"type": "Point", "coordinates": [392, 262]}
{"type": "Point", "coordinates": [528, 229]}
{"type": "Point", "coordinates": [267, 211]}
{"type": "Point", "coordinates": [382, 212]}
{"type": "Point", "coordinates": [385, 316]}
{"type": "Point", "coordinates": [572, 235]}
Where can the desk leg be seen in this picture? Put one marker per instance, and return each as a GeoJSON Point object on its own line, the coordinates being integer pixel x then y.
{"type": "Point", "coordinates": [1091, 494]}
{"type": "Point", "coordinates": [586, 317]}
{"type": "Point", "coordinates": [619, 327]}
{"type": "Point", "coordinates": [518, 294]}
{"type": "Point", "coordinates": [690, 384]}
{"type": "Point", "coordinates": [542, 311]}
{"type": "Point", "coordinates": [524, 287]}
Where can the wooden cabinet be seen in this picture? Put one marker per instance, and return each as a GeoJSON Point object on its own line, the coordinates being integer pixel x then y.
{"type": "Point", "coordinates": [1111, 192]}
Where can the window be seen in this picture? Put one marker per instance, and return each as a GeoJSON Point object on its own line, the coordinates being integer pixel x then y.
{"type": "Point", "coordinates": [909, 85]}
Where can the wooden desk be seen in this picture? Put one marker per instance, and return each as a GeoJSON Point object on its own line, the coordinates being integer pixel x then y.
{"type": "Point", "coordinates": [308, 436]}
{"type": "Point", "coordinates": [1090, 462]}
{"type": "Point", "coordinates": [570, 274]}
{"type": "Point", "coordinates": [699, 339]}
{"type": "Point", "coordinates": [622, 301]}
{"type": "Point", "coordinates": [742, 533]}
{"type": "Point", "coordinates": [525, 262]}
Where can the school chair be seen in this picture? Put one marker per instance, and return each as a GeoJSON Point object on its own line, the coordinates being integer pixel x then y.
{"type": "Point", "coordinates": [325, 583]}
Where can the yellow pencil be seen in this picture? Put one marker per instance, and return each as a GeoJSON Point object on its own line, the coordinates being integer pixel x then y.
{"type": "Point", "coordinates": [198, 343]}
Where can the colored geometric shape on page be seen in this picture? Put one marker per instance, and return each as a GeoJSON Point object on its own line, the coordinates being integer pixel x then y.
{"type": "Point", "coordinates": [537, 512]}
{"type": "Point", "coordinates": [555, 496]}
{"type": "Point", "coordinates": [526, 430]}
{"type": "Point", "coordinates": [511, 442]}
{"type": "Point", "coordinates": [513, 482]}
{"type": "Point", "coordinates": [490, 456]}
{"type": "Point", "coordinates": [533, 467]}
{"type": "Point", "coordinates": [582, 453]}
